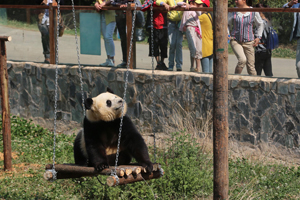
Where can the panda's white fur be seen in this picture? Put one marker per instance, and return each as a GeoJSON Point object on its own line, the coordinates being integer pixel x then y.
{"type": "Point", "coordinates": [95, 145]}
{"type": "Point", "coordinates": [101, 111]}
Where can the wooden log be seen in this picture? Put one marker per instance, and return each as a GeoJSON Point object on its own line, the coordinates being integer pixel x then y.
{"type": "Point", "coordinates": [65, 171]}
{"type": "Point", "coordinates": [5, 38]}
{"type": "Point", "coordinates": [4, 82]}
{"type": "Point", "coordinates": [112, 180]}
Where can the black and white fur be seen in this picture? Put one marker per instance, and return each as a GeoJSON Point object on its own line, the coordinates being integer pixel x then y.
{"type": "Point", "coordinates": [95, 145]}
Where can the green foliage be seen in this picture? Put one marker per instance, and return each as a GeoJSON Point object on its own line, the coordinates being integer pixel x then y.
{"type": "Point", "coordinates": [263, 181]}
{"type": "Point", "coordinates": [188, 172]}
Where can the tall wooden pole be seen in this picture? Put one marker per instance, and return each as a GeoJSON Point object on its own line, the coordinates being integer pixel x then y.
{"type": "Point", "coordinates": [132, 62]}
{"type": "Point", "coordinates": [6, 131]}
{"type": "Point", "coordinates": [220, 100]}
{"type": "Point", "coordinates": [52, 32]}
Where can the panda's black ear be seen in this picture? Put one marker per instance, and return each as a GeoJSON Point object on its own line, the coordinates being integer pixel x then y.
{"type": "Point", "coordinates": [110, 90]}
{"type": "Point", "coordinates": [88, 103]}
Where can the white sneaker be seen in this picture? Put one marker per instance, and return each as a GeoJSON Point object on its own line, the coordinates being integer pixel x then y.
{"type": "Point", "coordinates": [193, 69]}
{"type": "Point", "coordinates": [108, 63]}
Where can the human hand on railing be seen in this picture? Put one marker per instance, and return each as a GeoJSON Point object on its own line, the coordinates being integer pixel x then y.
{"type": "Point", "coordinates": [167, 7]}
{"type": "Point", "coordinates": [187, 6]}
{"type": "Point", "coordinates": [44, 2]}
{"type": "Point", "coordinates": [97, 6]}
{"type": "Point", "coordinates": [193, 6]}
{"type": "Point", "coordinates": [123, 5]}
{"type": "Point", "coordinates": [292, 2]}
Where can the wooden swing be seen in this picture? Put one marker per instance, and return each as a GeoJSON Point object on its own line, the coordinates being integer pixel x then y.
{"type": "Point", "coordinates": [118, 175]}
{"type": "Point", "coordinates": [125, 173]}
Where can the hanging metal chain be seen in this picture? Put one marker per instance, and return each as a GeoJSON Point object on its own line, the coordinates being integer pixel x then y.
{"type": "Point", "coordinates": [78, 58]}
{"type": "Point", "coordinates": [114, 172]}
{"type": "Point", "coordinates": [56, 78]}
{"type": "Point", "coordinates": [56, 88]}
{"type": "Point", "coordinates": [153, 86]}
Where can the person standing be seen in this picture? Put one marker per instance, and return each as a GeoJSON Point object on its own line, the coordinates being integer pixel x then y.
{"type": "Point", "coordinates": [262, 54]}
{"type": "Point", "coordinates": [242, 38]}
{"type": "Point", "coordinates": [207, 39]}
{"type": "Point", "coordinates": [43, 26]}
{"type": "Point", "coordinates": [108, 24]}
{"type": "Point", "coordinates": [175, 35]}
{"type": "Point", "coordinates": [120, 16]}
{"type": "Point", "coordinates": [295, 34]}
{"type": "Point", "coordinates": [191, 25]}
{"type": "Point", "coordinates": [160, 34]}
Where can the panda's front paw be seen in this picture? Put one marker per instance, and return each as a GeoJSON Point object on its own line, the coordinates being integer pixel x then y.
{"type": "Point", "coordinates": [101, 166]}
{"type": "Point", "coordinates": [148, 166]}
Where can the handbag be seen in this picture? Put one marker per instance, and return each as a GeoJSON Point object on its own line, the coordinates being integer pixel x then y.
{"type": "Point", "coordinates": [139, 34]}
{"type": "Point", "coordinates": [140, 19]}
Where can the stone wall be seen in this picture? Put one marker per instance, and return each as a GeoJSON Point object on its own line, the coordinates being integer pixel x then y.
{"type": "Point", "coordinates": [260, 109]}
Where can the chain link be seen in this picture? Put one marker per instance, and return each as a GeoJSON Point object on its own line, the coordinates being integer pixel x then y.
{"type": "Point", "coordinates": [153, 86]}
{"type": "Point", "coordinates": [56, 89]}
{"type": "Point", "coordinates": [114, 172]}
{"type": "Point", "coordinates": [78, 58]}
{"type": "Point", "coordinates": [56, 79]}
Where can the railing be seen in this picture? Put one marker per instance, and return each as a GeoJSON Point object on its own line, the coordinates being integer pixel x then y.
{"type": "Point", "coordinates": [130, 7]}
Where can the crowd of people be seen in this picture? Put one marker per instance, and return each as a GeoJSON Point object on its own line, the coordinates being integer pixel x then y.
{"type": "Point", "coordinates": [246, 35]}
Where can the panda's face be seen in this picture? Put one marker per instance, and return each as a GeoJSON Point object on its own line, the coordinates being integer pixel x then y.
{"type": "Point", "coordinates": [105, 107]}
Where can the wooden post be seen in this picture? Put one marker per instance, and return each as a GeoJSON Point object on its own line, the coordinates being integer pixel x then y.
{"type": "Point", "coordinates": [132, 63]}
{"type": "Point", "coordinates": [28, 15]}
{"type": "Point", "coordinates": [220, 100]}
{"type": "Point", "coordinates": [52, 37]}
{"type": "Point", "coordinates": [6, 131]}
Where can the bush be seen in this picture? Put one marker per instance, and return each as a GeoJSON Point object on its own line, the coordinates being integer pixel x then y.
{"type": "Point", "coordinates": [188, 172]}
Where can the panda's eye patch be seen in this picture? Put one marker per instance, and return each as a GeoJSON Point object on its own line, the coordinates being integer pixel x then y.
{"type": "Point", "coordinates": [108, 103]}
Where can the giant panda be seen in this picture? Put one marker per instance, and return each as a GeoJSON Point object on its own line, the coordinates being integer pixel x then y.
{"type": "Point", "coordinates": [95, 145]}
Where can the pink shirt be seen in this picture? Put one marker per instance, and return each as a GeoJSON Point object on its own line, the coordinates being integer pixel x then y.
{"type": "Point", "coordinates": [190, 18]}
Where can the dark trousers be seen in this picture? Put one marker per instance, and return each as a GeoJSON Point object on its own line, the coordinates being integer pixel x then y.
{"type": "Point", "coordinates": [160, 42]}
{"type": "Point", "coordinates": [263, 62]}
{"type": "Point", "coordinates": [121, 26]}
{"type": "Point", "coordinates": [44, 29]}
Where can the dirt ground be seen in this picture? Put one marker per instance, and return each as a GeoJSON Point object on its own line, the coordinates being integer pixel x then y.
{"type": "Point", "coordinates": [266, 153]}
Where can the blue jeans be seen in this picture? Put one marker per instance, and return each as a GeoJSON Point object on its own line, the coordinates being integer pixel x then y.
{"type": "Point", "coordinates": [107, 32]}
{"type": "Point", "coordinates": [175, 51]}
{"type": "Point", "coordinates": [207, 64]}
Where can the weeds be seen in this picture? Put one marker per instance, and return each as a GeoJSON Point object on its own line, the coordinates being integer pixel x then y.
{"type": "Point", "coordinates": [188, 170]}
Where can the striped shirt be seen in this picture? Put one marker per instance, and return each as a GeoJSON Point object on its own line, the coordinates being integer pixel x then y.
{"type": "Point", "coordinates": [240, 26]}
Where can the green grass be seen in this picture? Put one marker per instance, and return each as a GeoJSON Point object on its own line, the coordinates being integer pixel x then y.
{"type": "Point", "coordinates": [188, 172]}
